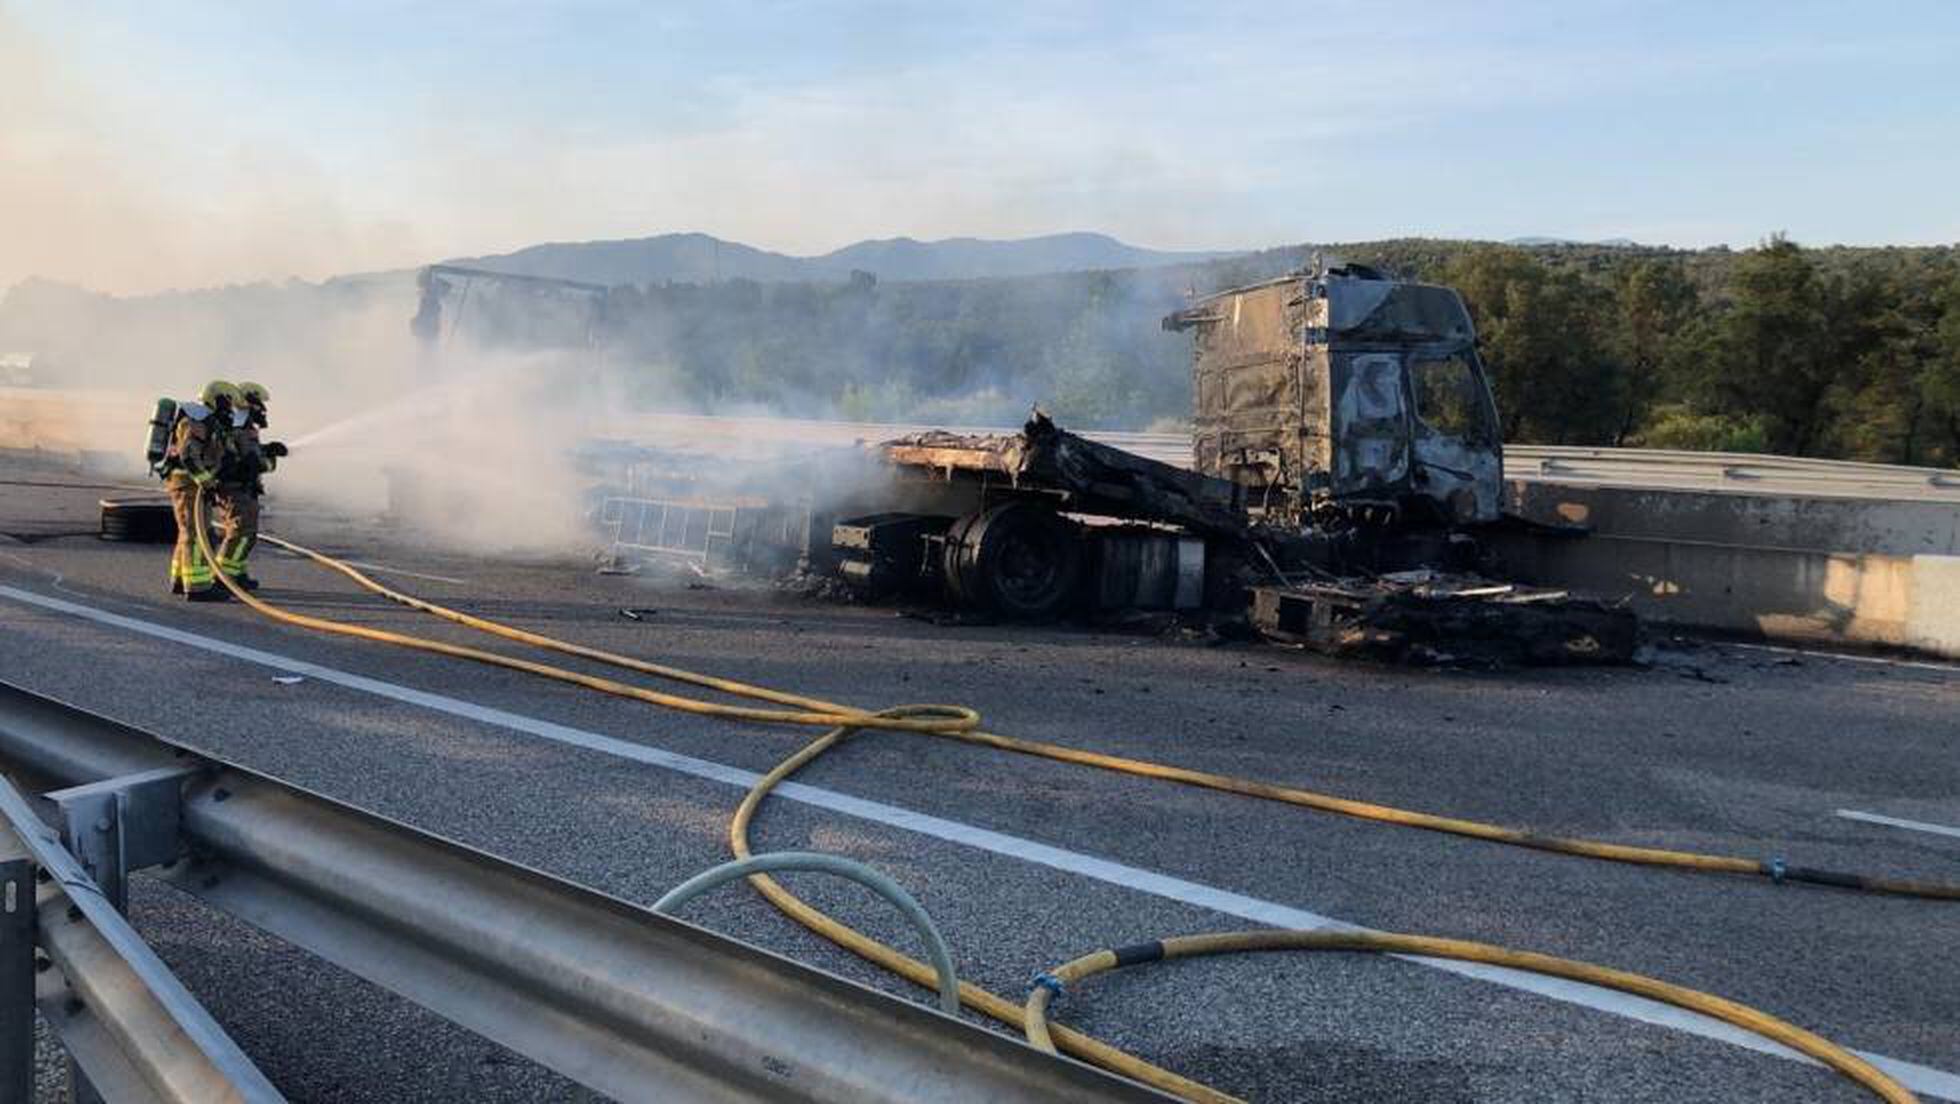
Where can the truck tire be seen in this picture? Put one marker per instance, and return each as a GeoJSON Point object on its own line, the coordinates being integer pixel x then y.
{"type": "Point", "coordinates": [1018, 559]}
{"type": "Point", "coordinates": [142, 519]}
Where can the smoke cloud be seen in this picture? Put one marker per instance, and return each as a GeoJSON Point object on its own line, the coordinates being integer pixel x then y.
{"type": "Point", "coordinates": [125, 192]}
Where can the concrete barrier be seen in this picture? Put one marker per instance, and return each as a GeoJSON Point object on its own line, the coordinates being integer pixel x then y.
{"type": "Point", "coordinates": [1779, 518]}
{"type": "Point", "coordinates": [1838, 570]}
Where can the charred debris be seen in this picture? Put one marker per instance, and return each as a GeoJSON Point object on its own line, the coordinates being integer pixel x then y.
{"type": "Point", "coordinates": [1346, 465]}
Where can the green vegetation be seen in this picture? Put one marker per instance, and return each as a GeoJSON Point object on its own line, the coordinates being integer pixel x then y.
{"type": "Point", "coordinates": [1838, 352]}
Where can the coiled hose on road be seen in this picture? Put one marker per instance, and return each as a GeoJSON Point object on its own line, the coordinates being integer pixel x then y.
{"type": "Point", "coordinates": [1032, 1017]}
{"type": "Point", "coordinates": [961, 722]}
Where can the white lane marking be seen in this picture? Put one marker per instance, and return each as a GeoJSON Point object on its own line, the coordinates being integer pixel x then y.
{"type": "Point", "coordinates": [1895, 822]}
{"type": "Point", "coordinates": [1919, 1078]}
{"type": "Point", "coordinates": [1849, 657]}
{"type": "Point", "coordinates": [384, 569]}
{"type": "Point", "coordinates": [57, 580]}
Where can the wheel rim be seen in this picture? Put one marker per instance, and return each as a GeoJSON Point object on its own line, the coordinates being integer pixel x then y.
{"type": "Point", "coordinates": [1028, 568]}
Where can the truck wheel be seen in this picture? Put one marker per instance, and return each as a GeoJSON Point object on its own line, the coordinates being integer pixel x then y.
{"type": "Point", "coordinates": [1018, 559]}
{"type": "Point", "coordinates": [144, 519]}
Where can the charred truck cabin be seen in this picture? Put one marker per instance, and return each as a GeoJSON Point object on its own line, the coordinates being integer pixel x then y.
{"type": "Point", "coordinates": [1345, 398]}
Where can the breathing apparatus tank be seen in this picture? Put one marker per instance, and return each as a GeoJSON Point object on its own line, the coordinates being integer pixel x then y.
{"type": "Point", "coordinates": [160, 423]}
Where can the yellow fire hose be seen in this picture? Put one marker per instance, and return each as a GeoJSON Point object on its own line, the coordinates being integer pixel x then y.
{"type": "Point", "coordinates": [960, 722]}
{"type": "Point", "coordinates": [951, 719]}
{"type": "Point", "coordinates": [1051, 984]}
{"type": "Point", "coordinates": [984, 1001]}
{"type": "Point", "coordinates": [932, 719]}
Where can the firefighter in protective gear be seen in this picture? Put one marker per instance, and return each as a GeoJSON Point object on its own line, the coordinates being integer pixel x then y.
{"type": "Point", "coordinates": [197, 450]}
{"type": "Point", "coordinates": [241, 482]}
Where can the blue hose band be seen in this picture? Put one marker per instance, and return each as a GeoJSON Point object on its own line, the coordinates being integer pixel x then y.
{"type": "Point", "coordinates": [1050, 982]}
{"type": "Point", "coordinates": [1777, 869]}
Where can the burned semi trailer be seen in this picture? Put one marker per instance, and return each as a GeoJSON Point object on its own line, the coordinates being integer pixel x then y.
{"type": "Point", "coordinates": [1342, 422]}
{"type": "Point", "coordinates": [1345, 459]}
{"type": "Point", "coordinates": [1345, 455]}
{"type": "Point", "coordinates": [1031, 524]}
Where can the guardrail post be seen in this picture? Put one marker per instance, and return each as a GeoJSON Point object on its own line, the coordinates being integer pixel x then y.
{"type": "Point", "coordinates": [131, 1029]}
{"type": "Point", "coordinates": [16, 970]}
{"type": "Point", "coordinates": [122, 824]}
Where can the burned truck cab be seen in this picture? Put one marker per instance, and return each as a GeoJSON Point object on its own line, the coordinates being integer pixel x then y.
{"type": "Point", "coordinates": [1344, 396]}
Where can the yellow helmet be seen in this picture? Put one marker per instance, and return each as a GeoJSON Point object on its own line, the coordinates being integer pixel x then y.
{"type": "Point", "coordinates": [255, 393]}
{"type": "Point", "coordinates": [220, 389]}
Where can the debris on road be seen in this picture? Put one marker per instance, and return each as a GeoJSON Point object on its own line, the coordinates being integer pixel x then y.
{"type": "Point", "coordinates": [1433, 618]}
{"type": "Point", "coordinates": [617, 565]}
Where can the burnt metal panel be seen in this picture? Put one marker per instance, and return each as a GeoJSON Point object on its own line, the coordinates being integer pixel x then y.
{"type": "Point", "coordinates": [1425, 618]}
{"type": "Point", "coordinates": [1084, 476]}
{"type": "Point", "coordinates": [1255, 424]}
{"type": "Point", "coordinates": [1302, 397]}
{"type": "Point", "coordinates": [1371, 426]}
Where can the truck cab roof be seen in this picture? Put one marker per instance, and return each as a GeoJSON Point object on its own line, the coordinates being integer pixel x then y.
{"type": "Point", "coordinates": [1362, 305]}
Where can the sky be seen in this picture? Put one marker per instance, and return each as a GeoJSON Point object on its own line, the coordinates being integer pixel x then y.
{"type": "Point", "coordinates": [148, 146]}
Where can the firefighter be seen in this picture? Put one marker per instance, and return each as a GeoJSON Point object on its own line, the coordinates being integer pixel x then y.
{"type": "Point", "coordinates": [197, 450]}
{"type": "Point", "coordinates": [241, 482]}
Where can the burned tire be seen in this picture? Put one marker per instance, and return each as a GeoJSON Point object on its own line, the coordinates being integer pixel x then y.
{"type": "Point", "coordinates": [1017, 559]}
{"type": "Point", "coordinates": [141, 519]}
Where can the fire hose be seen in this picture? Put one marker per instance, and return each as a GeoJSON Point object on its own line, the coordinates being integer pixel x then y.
{"type": "Point", "coordinates": [868, 876]}
{"type": "Point", "coordinates": [962, 723]}
{"type": "Point", "coordinates": [1052, 984]}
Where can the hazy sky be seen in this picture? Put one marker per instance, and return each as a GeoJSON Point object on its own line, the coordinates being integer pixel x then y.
{"type": "Point", "coordinates": [149, 145]}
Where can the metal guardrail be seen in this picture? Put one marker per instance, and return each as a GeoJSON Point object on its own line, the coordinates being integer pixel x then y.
{"type": "Point", "coordinates": [1661, 469]}
{"type": "Point", "coordinates": [1666, 469]}
{"type": "Point", "coordinates": [132, 1031]}
{"type": "Point", "coordinates": [632, 1004]}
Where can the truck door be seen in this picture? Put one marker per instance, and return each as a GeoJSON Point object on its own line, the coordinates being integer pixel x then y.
{"type": "Point", "coordinates": [1371, 427]}
{"type": "Point", "coordinates": [1458, 461]}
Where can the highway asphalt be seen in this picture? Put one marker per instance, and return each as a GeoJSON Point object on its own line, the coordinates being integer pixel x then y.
{"type": "Point", "coordinates": [1712, 747]}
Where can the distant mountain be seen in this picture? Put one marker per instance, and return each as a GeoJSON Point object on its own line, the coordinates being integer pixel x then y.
{"type": "Point", "coordinates": [699, 258]}
{"type": "Point", "coordinates": [961, 258]}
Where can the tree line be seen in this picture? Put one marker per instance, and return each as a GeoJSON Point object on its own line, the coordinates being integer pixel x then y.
{"type": "Point", "coordinates": [1843, 353]}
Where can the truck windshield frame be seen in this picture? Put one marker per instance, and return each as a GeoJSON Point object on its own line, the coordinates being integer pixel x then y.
{"type": "Point", "coordinates": [1458, 408]}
